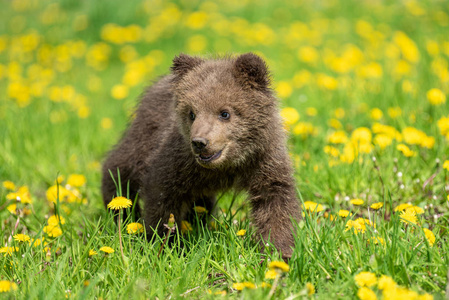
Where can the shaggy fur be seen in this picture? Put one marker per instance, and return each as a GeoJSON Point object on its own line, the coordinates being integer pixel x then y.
{"type": "Point", "coordinates": [209, 126]}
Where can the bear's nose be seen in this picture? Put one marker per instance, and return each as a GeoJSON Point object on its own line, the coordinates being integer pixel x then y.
{"type": "Point", "coordinates": [199, 144]}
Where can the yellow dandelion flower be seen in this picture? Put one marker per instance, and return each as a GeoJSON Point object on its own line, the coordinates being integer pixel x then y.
{"type": "Point", "coordinates": [334, 123]}
{"type": "Point", "coordinates": [56, 220]}
{"type": "Point", "coordinates": [76, 180]}
{"type": "Point", "coordinates": [37, 242]}
{"type": "Point", "coordinates": [23, 195]}
{"type": "Point", "coordinates": [413, 136]}
{"type": "Point", "coordinates": [238, 286]}
{"type": "Point", "coordinates": [185, 226]}
{"type": "Point", "coordinates": [344, 213]}
{"type": "Point", "coordinates": [56, 192]}
{"type": "Point", "coordinates": [365, 279]}
{"type": "Point", "coordinates": [304, 129]}
{"type": "Point", "coordinates": [339, 113]}
{"type": "Point", "coordinates": [378, 240]}
{"type": "Point", "coordinates": [21, 238]}
{"type": "Point", "coordinates": [92, 252]}
{"type": "Point", "coordinates": [197, 20]}
{"type": "Point", "coordinates": [382, 140]}
{"type": "Point", "coordinates": [311, 111]}
{"type": "Point", "coordinates": [377, 205]}
{"type": "Point", "coordinates": [446, 165]}
{"type": "Point", "coordinates": [6, 286]}
{"type": "Point", "coordinates": [310, 289]}
{"type": "Point", "coordinates": [443, 126]}
{"type": "Point", "coordinates": [376, 114]}
{"type": "Point", "coordinates": [403, 206]}
{"type": "Point", "coordinates": [313, 206]}
{"type": "Point", "coordinates": [359, 225]}
{"type": "Point", "coordinates": [12, 208]}
{"type": "Point", "coordinates": [134, 228]}
{"type": "Point", "coordinates": [284, 89]}
{"type": "Point", "coordinates": [338, 137]}
{"type": "Point", "coordinates": [265, 285]}
{"type": "Point", "coordinates": [279, 266]}
{"type": "Point", "coordinates": [408, 216]}
{"type": "Point", "coordinates": [308, 54]}
{"type": "Point", "coordinates": [271, 274]}
{"type": "Point", "coordinates": [9, 185]}
{"type": "Point", "coordinates": [52, 230]}
{"type": "Point", "coordinates": [249, 285]}
{"type": "Point", "coordinates": [332, 151]}
{"type": "Point", "coordinates": [356, 201]}
{"type": "Point", "coordinates": [289, 115]}
{"type": "Point", "coordinates": [436, 97]}
{"type": "Point", "coordinates": [119, 91]}
{"type": "Point", "coordinates": [365, 293]}
{"type": "Point", "coordinates": [241, 232]}
{"type": "Point", "coordinates": [200, 210]}
{"type": "Point", "coordinates": [119, 203]}
{"type": "Point", "coordinates": [361, 135]}
{"type": "Point", "coordinates": [8, 250]}
{"type": "Point", "coordinates": [221, 293]}
{"type": "Point", "coordinates": [405, 150]}
{"type": "Point", "coordinates": [107, 250]}
{"type": "Point", "coordinates": [418, 210]}
{"type": "Point", "coordinates": [425, 297]}
{"type": "Point", "coordinates": [326, 82]}
{"type": "Point", "coordinates": [386, 283]}
{"type": "Point", "coordinates": [429, 236]}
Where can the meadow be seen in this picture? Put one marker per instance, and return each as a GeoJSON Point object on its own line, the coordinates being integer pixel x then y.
{"type": "Point", "coordinates": [363, 87]}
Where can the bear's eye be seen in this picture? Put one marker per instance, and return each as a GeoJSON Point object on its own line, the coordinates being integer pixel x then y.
{"type": "Point", "coordinates": [225, 115]}
{"type": "Point", "coordinates": [192, 116]}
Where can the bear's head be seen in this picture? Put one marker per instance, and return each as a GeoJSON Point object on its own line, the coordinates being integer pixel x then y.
{"type": "Point", "coordinates": [225, 108]}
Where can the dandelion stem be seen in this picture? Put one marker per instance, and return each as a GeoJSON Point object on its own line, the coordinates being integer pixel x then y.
{"type": "Point", "coordinates": [163, 244]}
{"type": "Point", "coordinates": [120, 235]}
{"type": "Point", "coordinates": [274, 286]}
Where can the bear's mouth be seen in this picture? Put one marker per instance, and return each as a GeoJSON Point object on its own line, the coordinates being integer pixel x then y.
{"type": "Point", "coordinates": [209, 158]}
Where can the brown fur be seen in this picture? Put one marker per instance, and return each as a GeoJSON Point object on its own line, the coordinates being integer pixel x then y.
{"type": "Point", "coordinates": [160, 154]}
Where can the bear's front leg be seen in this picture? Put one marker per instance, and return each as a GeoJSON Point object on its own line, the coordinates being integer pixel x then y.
{"type": "Point", "coordinates": [274, 207]}
{"type": "Point", "coordinates": [159, 204]}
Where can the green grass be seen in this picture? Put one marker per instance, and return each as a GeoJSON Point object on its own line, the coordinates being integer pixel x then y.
{"type": "Point", "coordinates": [44, 135]}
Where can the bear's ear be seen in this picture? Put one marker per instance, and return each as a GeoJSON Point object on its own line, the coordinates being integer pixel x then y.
{"type": "Point", "coordinates": [183, 63]}
{"type": "Point", "coordinates": [250, 70]}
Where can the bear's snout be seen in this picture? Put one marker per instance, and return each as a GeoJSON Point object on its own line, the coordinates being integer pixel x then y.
{"type": "Point", "coordinates": [199, 144]}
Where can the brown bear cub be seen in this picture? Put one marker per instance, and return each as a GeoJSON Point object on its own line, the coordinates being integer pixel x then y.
{"type": "Point", "coordinates": [209, 126]}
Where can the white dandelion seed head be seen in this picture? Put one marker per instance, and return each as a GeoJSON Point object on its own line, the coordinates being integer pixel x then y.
{"type": "Point", "coordinates": [399, 174]}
